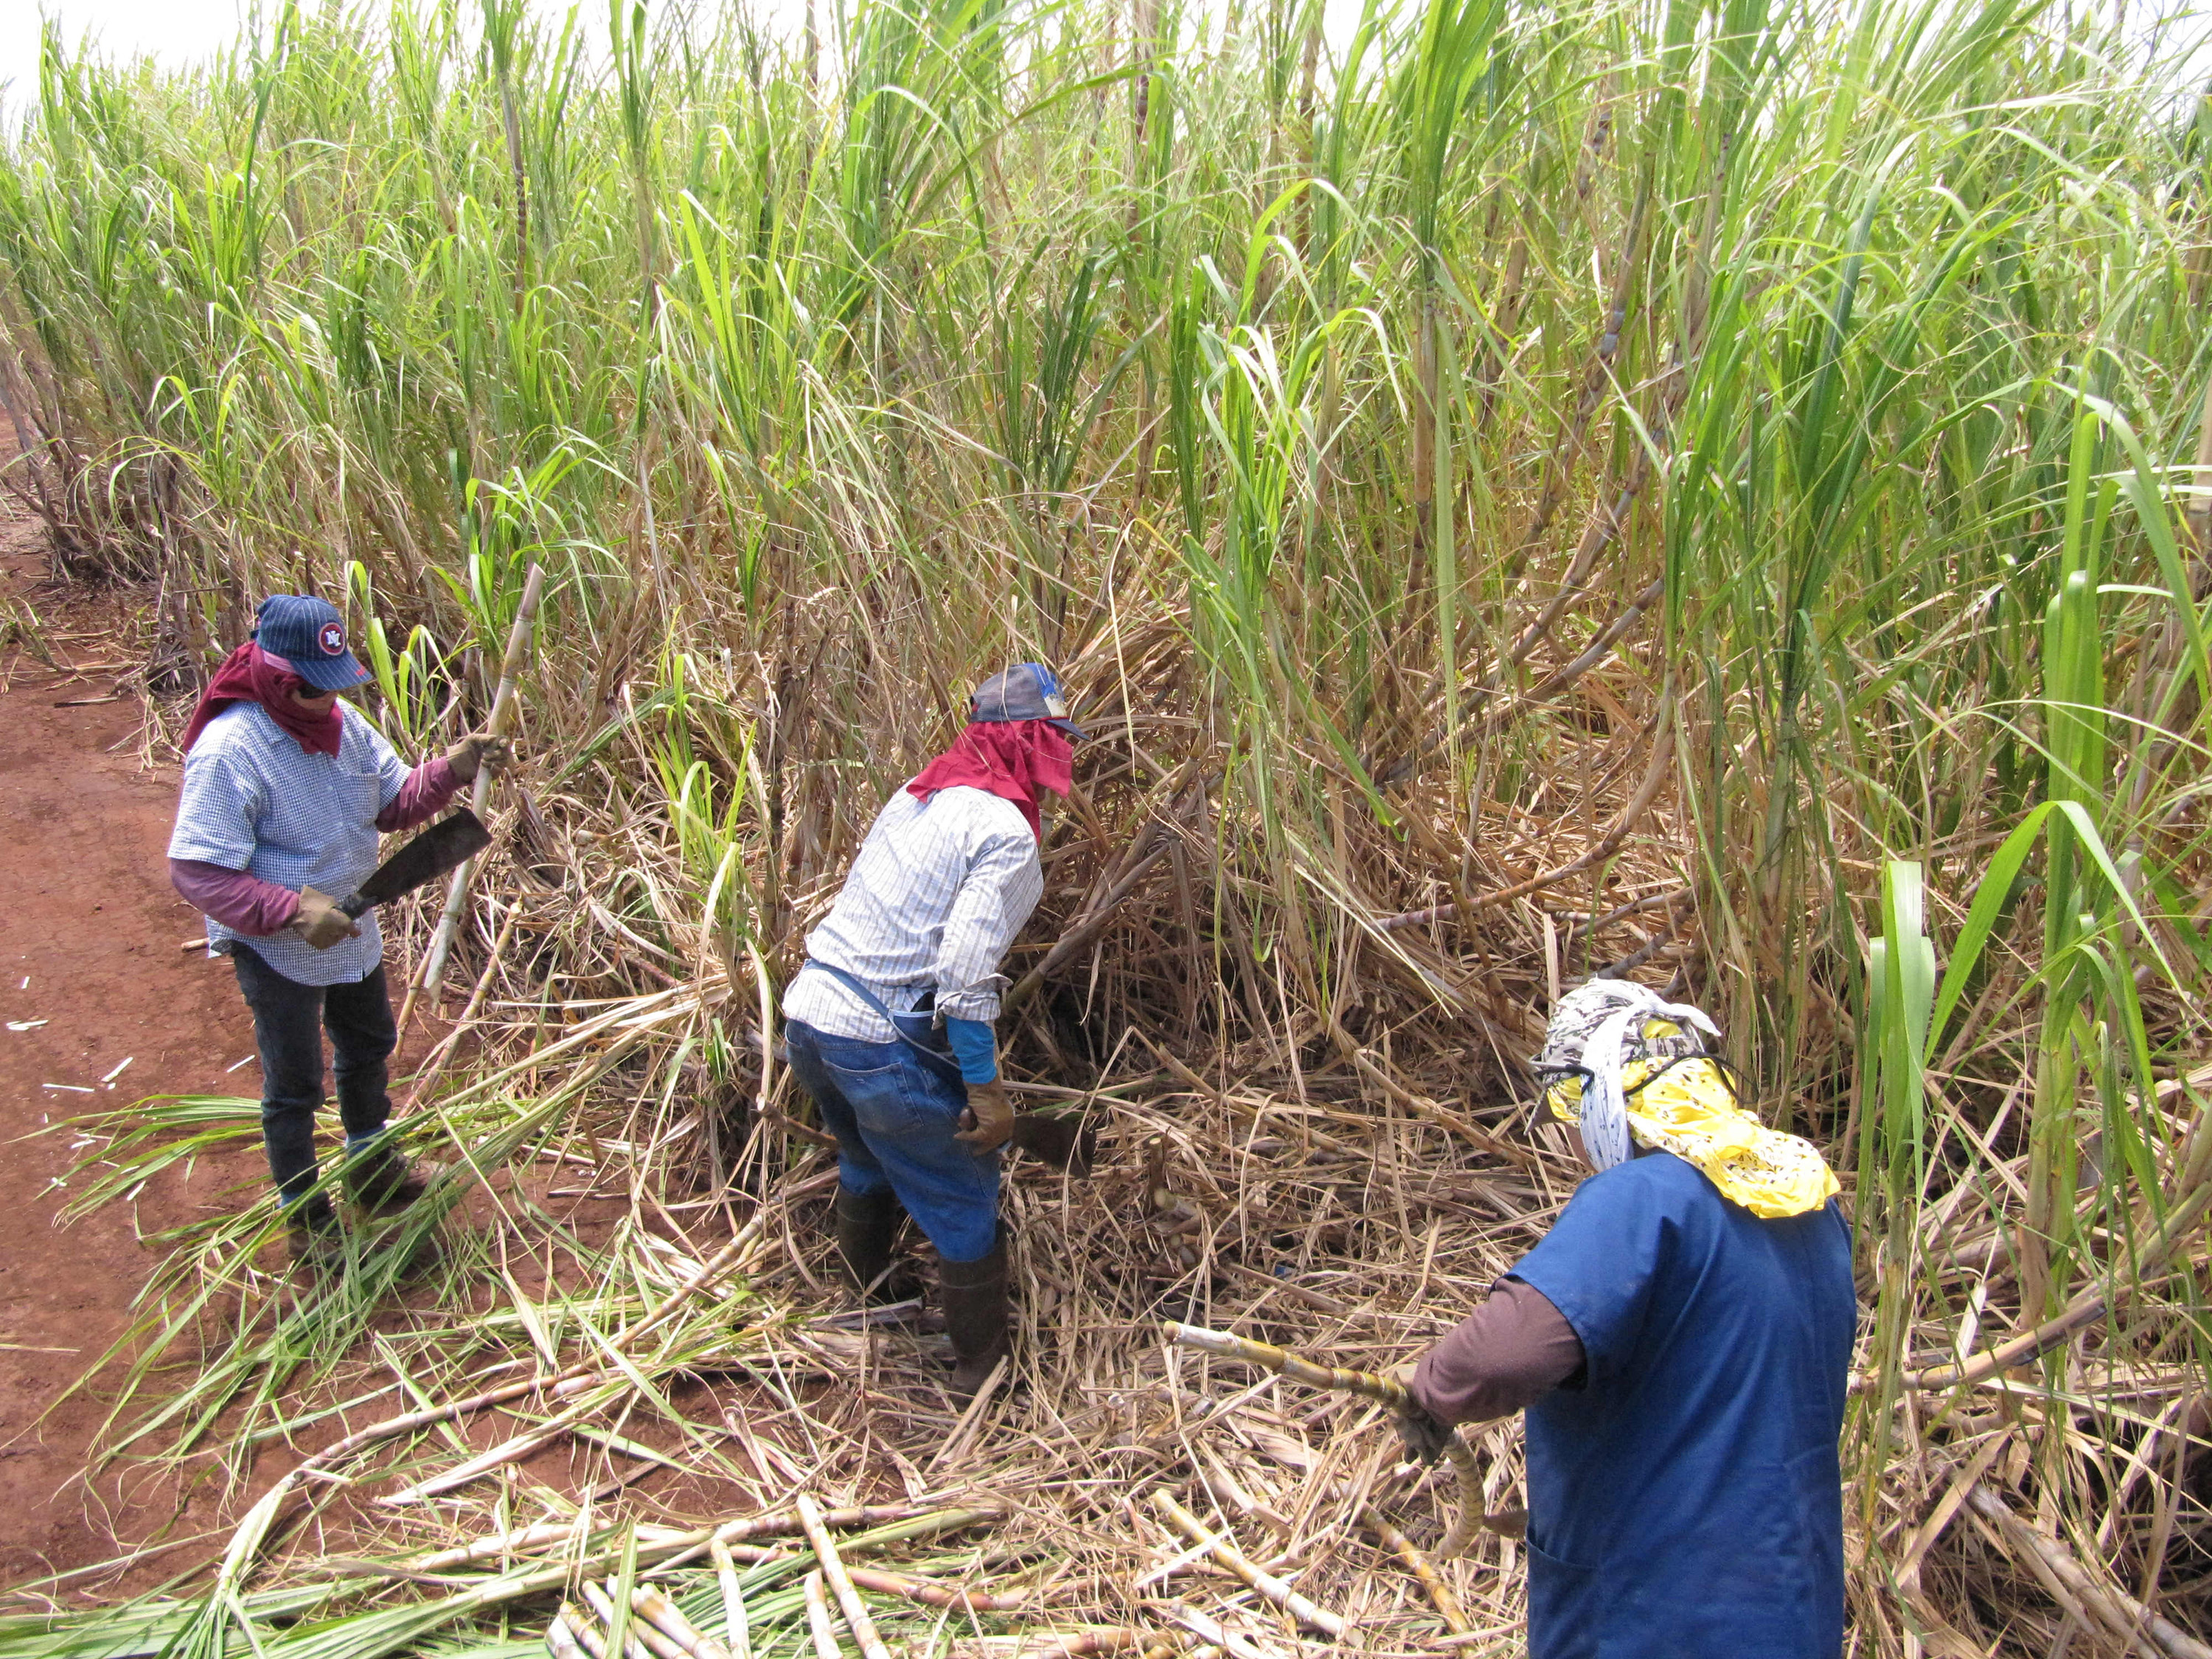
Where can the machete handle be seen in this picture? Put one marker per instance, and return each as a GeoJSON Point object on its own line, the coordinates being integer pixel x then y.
{"type": "Point", "coordinates": [354, 905]}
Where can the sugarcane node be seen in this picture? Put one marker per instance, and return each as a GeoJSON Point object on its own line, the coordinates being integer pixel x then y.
{"type": "Point", "coordinates": [1294, 1366]}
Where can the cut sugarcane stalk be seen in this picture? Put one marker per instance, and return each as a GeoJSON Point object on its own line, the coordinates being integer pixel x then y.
{"type": "Point", "coordinates": [932, 1595]}
{"type": "Point", "coordinates": [572, 1632]}
{"type": "Point", "coordinates": [1298, 1606]}
{"type": "Point", "coordinates": [502, 717]}
{"type": "Point", "coordinates": [735, 1619]}
{"type": "Point", "coordinates": [603, 1605]}
{"type": "Point", "coordinates": [833, 1569]}
{"type": "Point", "coordinates": [1455, 1616]}
{"type": "Point", "coordinates": [664, 1615]}
{"type": "Point", "coordinates": [819, 1624]}
{"type": "Point", "coordinates": [1368, 1385]}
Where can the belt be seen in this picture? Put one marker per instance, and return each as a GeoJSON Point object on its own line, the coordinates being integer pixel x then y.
{"type": "Point", "coordinates": [944, 1061]}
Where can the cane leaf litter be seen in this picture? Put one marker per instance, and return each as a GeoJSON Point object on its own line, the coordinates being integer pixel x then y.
{"type": "Point", "coordinates": [1710, 492]}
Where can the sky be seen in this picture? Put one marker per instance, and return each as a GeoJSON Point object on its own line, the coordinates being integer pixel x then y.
{"type": "Point", "coordinates": [179, 31]}
{"type": "Point", "coordinates": [172, 31]}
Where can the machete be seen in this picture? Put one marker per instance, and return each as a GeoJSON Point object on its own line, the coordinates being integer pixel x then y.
{"type": "Point", "coordinates": [445, 845]}
{"type": "Point", "coordinates": [1063, 1139]}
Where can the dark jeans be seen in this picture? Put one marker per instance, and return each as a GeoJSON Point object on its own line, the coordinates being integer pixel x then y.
{"type": "Point", "coordinates": [288, 1019]}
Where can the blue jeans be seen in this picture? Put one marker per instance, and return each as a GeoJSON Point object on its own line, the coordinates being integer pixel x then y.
{"type": "Point", "coordinates": [893, 1113]}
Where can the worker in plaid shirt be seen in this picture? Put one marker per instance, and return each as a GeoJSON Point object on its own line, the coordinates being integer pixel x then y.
{"type": "Point", "coordinates": [889, 1024]}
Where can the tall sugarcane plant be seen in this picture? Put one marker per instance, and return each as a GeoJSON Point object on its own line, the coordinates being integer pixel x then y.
{"type": "Point", "coordinates": [1450, 65]}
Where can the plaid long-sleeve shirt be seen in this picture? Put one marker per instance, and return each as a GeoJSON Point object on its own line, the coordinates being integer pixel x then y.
{"type": "Point", "coordinates": [932, 902]}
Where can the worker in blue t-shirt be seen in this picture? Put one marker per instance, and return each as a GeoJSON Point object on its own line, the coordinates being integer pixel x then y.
{"type": "Point", "coordinates": [1679, 1341]}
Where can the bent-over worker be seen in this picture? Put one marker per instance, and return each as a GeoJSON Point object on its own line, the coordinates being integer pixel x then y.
{"type": "Point", "coordinates": [889, 1023]}
{"type": "Point", "coordinates": [1681, 1341]}
{"type": "Point", "coordinates": [286, 789]}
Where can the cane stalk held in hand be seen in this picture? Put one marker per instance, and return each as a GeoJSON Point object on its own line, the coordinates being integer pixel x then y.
{"type": "Point", "coordinates": [1368, 1385]}
{"type": "Point", "coordinates": [502, 718]}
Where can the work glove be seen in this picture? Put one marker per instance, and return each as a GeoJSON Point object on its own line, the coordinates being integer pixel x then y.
{"type": "Point", "coordinates": [1423, 1436]}
{"type": "Point", "coordinates": [989, 1120]}
{"type": "Point", "coordinates": [475, 751]}
{"type": "Point", "coordinates": [320, 922]}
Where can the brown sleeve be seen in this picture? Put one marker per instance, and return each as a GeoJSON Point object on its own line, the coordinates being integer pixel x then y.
{"type": "Point", "coordinates": [1515, 1347]}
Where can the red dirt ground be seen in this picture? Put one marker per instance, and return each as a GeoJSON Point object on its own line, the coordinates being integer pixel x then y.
{"type": "Point", "coordinates": [87, 918]}
{"type": "Point", "coordinates": [88, 936]}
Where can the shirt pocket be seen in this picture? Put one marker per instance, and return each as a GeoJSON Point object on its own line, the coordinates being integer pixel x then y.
{"type": "Point", "coordinates": [360, 794]}
{"type": "Point", "coordinates": [1552, 1563]}
{"type": "Point", "coordinates": [1567, 1616]}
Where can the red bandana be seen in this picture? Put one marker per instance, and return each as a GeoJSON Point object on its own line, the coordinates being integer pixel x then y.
{"type": "Point", "coordinates": [1012, 759]}
{"type": "Point", "coordinates": [250, 674]}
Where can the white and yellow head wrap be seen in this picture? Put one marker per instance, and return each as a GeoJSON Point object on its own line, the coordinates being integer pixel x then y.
{"type": "Point", "coordinates": [1619, 1061]}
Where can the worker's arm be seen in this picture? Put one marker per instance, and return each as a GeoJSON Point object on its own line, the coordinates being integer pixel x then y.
{"type": "Point", "coordinates": [995, 899]}
{"type": "Point", "coordinates": [400, 792]}
{"type": "Point", "coordinates": [218, 812]}
{"type": "Point", "coordinates": [975, 1046]}
{"type": "Point", "coordinates": [1597, 1266]}
{"type": "Point", "coordinates": [1001, 888]}
{"type": "Point", "coordinates": [1511, 1351]}
{"type": "Point", "coordinates": [422, 795]}
{"type": "Point", "coordinates": [425, 791]}
{"type": "Point", "coordinates": [239, 900]}
{"type": "Point", "coordinates": [220, 802]}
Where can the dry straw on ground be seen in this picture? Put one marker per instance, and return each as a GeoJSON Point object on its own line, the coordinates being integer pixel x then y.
{"type": "Point", "coordinates": [1352, 1206]}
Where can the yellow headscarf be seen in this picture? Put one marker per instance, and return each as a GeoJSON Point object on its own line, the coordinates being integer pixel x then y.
{"type": "Point", "coordinates": [1614, 1047]}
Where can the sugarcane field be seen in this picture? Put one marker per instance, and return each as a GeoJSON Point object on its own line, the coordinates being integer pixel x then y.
{"type": "Point", "coordinates": [1046, 829]}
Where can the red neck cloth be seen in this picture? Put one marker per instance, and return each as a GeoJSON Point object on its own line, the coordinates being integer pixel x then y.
{"type": "Point", "coordinates": [250, 674]}
{"type": "Point", "coordinates": [1010, 759]}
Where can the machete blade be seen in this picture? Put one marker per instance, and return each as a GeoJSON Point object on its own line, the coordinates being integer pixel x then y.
{"type": "Point", "coordinates": [1063, 1139]}
{"type": "Point", "coordinates": [444, 846]}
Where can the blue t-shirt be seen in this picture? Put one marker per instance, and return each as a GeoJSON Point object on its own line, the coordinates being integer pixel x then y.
{"type": "Point", "coordinates": [1685, 1500]}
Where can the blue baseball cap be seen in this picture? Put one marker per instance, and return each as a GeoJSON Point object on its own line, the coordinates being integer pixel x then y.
{"type": "Point", "coordinates": [310, 635]}
{"type": "Point", "coordinates": [1027, 691]}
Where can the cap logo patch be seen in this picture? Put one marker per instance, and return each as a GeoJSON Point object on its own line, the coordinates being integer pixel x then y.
{"type": "Point", "coordinates": [332, 640]}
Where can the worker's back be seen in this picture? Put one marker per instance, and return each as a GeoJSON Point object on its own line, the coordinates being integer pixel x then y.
{"type": "Point", "coordinates": [930, 906]}
{"type": "Point", "coordinates": [1684, 1497]}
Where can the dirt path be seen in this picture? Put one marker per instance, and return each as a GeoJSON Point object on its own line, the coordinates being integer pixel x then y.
{"type": "Point", "coordinates": [88, 936]}
{"type": "Point", "coordinates": [90, 965]}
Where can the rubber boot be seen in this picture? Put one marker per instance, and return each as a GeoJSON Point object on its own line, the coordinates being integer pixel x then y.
{"type": "Point", "coordinates": [974, 1317]}
{"type": "Point", "coordinates": [866, 1225]}
{"type": "Point", "coordinates": [318, 1245]}
{"type": "Point", "coordinates": [383, 1182]}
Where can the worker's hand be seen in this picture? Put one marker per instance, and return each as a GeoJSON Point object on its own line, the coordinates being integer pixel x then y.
{"type": "Point", "coordinates": [1423, 1436]}
{"type": "Point", "coordinates": [989, 1120]}
{"type": "Point", "coordinates": [320, 922]}
{"type": "Point", "coordinates": [475, 753]}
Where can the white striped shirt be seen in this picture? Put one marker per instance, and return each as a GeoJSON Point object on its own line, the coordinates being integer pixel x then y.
{"type": "Point", "coordinates": [932, 902]}
{"type": "Point", "coordinates": [254, 800]}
